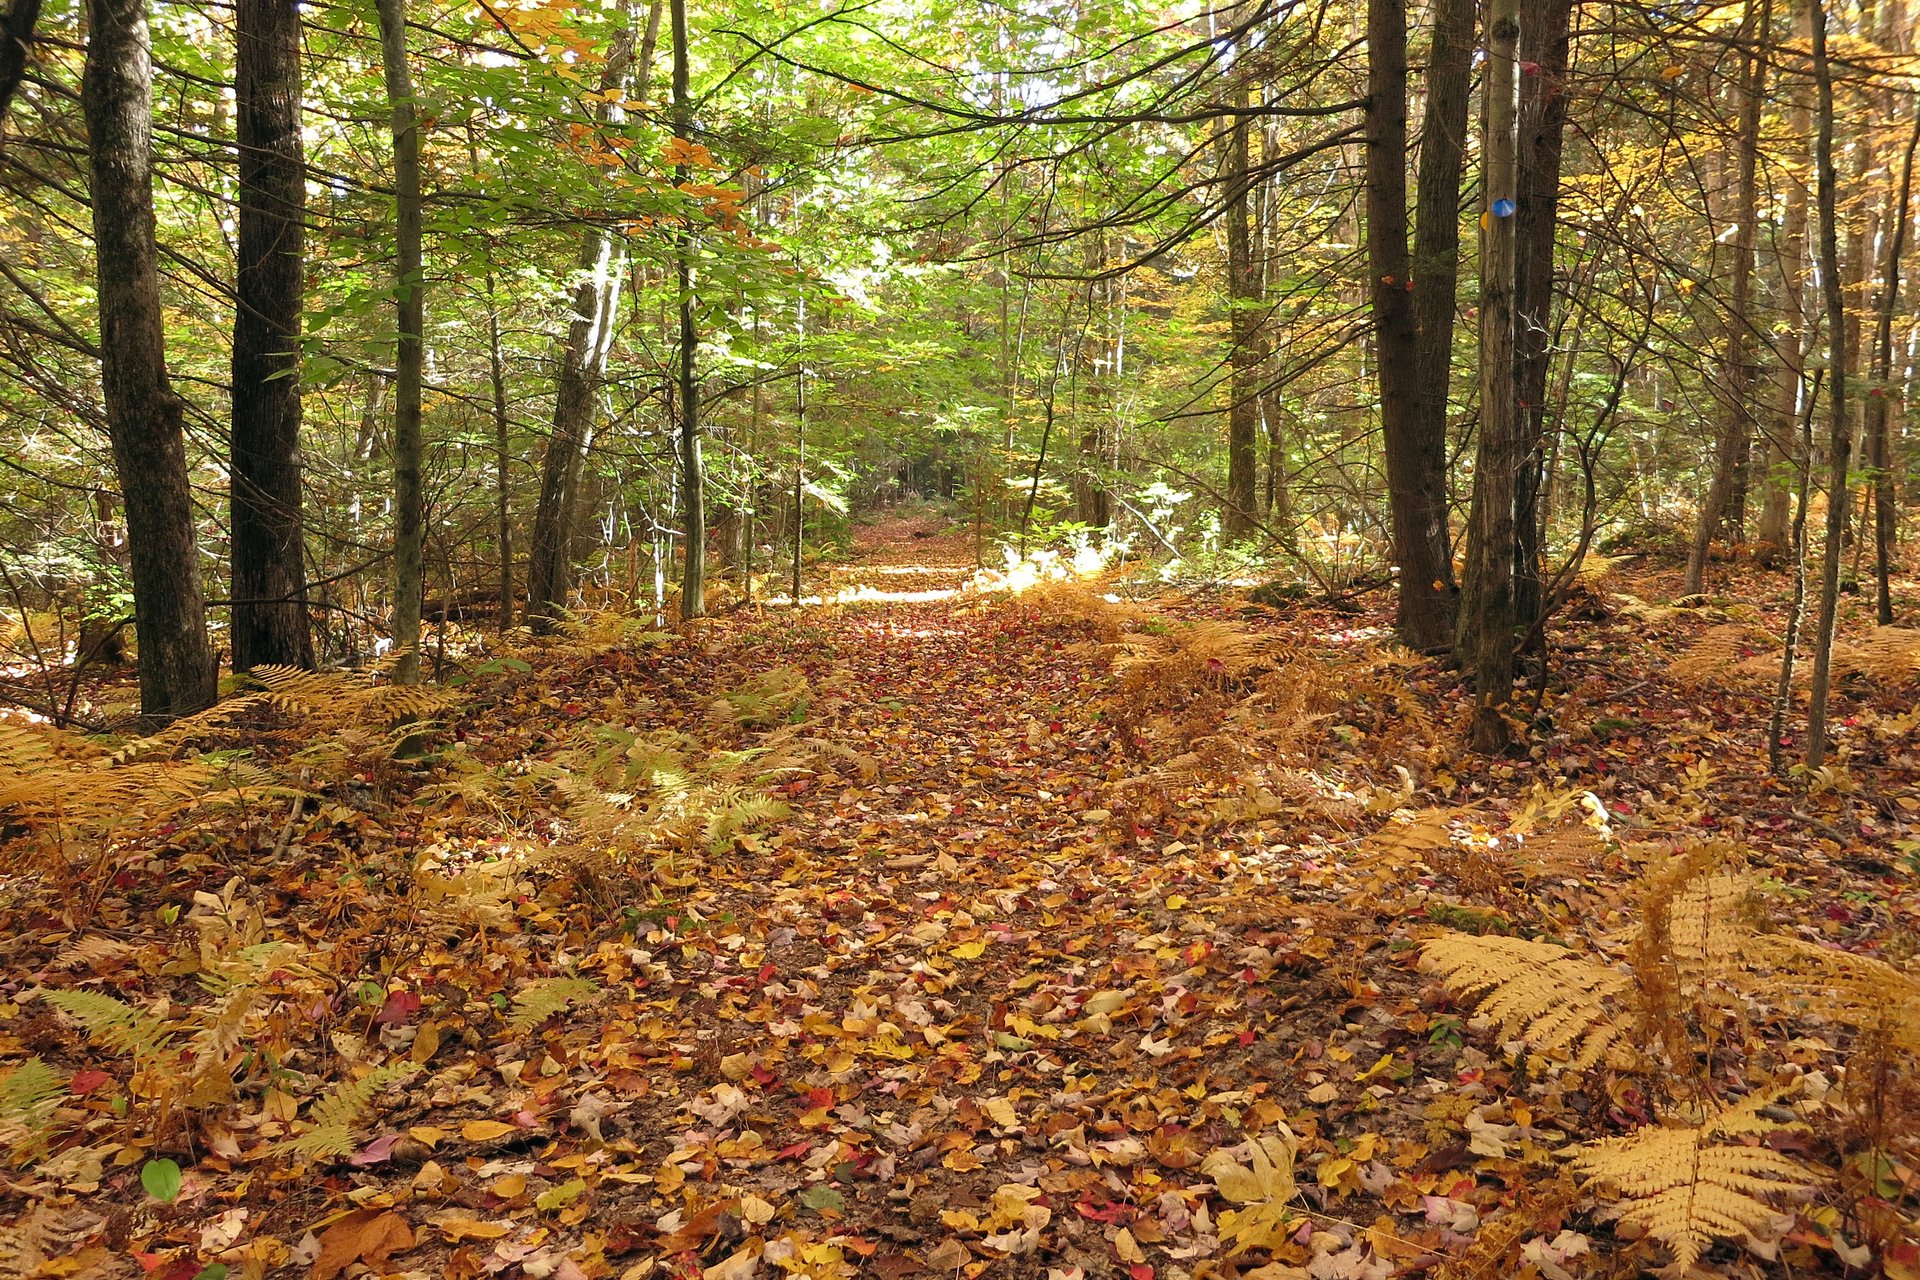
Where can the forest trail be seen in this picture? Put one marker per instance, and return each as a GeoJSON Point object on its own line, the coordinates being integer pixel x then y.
{"type": "Point", "coordinates": [941, 929]}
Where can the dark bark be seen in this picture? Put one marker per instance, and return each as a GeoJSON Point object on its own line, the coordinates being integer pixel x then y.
{"type": "Point", "coordinates": [1487, 624]}
{"type": "Point", "coordinates": [1415, 453]}
{"type": "Point", "coordinates": [1544, 51]}
{"type": "Point", "coordinates": [693, 478]}
{"type": "Point", "coordinates": [16, 44]}
{"type": "Point", "coordinates": [409, 516]}
{"type": "Point", "coordinates": [270, 621]}
{"type": "Point", "coordinates": [144, 418]}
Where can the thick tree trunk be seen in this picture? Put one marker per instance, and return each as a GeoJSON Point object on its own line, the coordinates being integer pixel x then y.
{"type": "Point", "coordinates": [1415, 451]}
{"type": "Point", "coordinates": [409, 517]}
{"type": "Point", "coordinates": [16, 43]}
{"type": "Point", "coordinates": [270, 622]}
{"type": "Point", "coordinates": [144, 418]}
{"type": "Point", "coordinates": [1243, 296]}
{"type": "Point", "coordinates": [583, 366]}
{"type": "Point", "coordinates": [1736, 372]}
{"type": "Point", "coordinates": [1487, 631]}
{"type": "Point", "coordinates": [693, 478]}
{"type": "Point", "coordinates": [1839, 431]}
{"type": "Point", "coordinates": [1544, 53]}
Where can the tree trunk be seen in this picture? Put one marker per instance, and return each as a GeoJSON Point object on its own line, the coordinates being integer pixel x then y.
{"type": "Point", "coordinates": [1243, 298]}
{"type": "Point", "coordinates": [502, 457]}
{"type": "Point", "coordinates": [583, 366]}
{"type": "Point", "coordinates": [1415, 451]}
{"type": "Point", "coordinates": [270, 622]}
{"type": "Point", "coordinates": [16, 43]}
{"type": "Point", "coordinates": [1770, 532]}
{"type": "Point", "coordinates": [409, 517]}
{"type": "Point", "coordinates": [1736, 373]}
{"type": "Point", "coordinates": [1839, 433]}
{"type": "Point", "coordinates": [693, 580]}
{"type": "Point", "coordinates": [1544, 55]}
{"type": "Point", "coordinates": [1487, 630]}
{"type": "Point", "coordinates": [1886, 513]}
{"type": "Point", "coordinates": [145, 420]}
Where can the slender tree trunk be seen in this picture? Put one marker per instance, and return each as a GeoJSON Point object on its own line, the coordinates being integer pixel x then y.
{"type": "Point", "coordinates": [1415, 454]}
{"type": "Point", "coordinates": [1839, 433]}
{"type": "Point", "coordinates": [145, 419]}
{"type": "Point", "coordinates": [1487, 632]}
{"type": "Point", "coordinates": [1243, 297]}
{"type": "Point", "coordinates": [1778, 469]}
{"type": "Point", "coordinates": [1736, 372]}
{"type": "Point", "coordinates": [270, 622]}
{"type": "Point", "coordinates": [583, 365]}
{"type": "Point", "coordinates": [693, 580]}
{"type": "Point", "coordinates": [409, 516]}
{"type": "Point", "coordinates": [1886, 512]}
{"type": "Point", "coordinates": [1544, 54]}
{"type": "Point", "coordinates": [502, 458]}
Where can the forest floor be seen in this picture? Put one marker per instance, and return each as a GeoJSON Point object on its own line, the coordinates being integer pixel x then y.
{"type": "Point", "coordinates": [960, 932]}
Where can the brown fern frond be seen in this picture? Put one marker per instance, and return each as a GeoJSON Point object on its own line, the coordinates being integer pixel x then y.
{"type": "Point", "coordinates": [1549, 996]}
{"type": "Point", "coordinates": [1717, 656]}
{"type": "Point", "coordinates": [1887, 654]}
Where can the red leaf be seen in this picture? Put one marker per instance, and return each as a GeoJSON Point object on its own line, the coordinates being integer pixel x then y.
{"type": "Point", "coordinates": [85, 1082]}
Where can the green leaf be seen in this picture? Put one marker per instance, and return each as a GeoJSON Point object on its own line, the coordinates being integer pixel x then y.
{"type": "Point", "coordinates": [161, 1178]}
{"type": "Point", "coordinates": [560, 1197]}
{"type": "Point", "coordinates": [821, 1196]}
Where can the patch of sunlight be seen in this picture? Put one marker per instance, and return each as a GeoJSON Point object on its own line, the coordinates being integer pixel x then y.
{"type": "Point", "coordinates": [860, 593]}
{"type": "Point", "coordinates": [1356, 635]}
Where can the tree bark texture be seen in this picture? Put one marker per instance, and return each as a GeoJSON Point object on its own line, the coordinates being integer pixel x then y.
{"type": "Point", "coordinates": [145, 420]}
{"type": "Point", "coordinates": [16, 44]}
{"type": "Point", "coordinates": [1839, 432]}
{"type": "Point", "coordinates": [1544, 51]}
{"type": "Point", "coordinates": [693, 478]}
{"type": "Point", "coordinates": [409, 516]}
{"type": "Point", "coordinates": [1886, 513]}
{"type": "Point", "coordinates": [1487, 630]}
{"type": "Point", "coordinates": [1415, 455]}
{"type": "Point", "coordinates": [270, 621]}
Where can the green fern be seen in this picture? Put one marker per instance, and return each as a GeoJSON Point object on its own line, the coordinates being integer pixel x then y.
{"type": "Point", "coordinates": [116, 1025]}
{"type": "Point", "coordinates": [28, 1096]}
{"type": "Point", "coordinates": [541, 999]}
{"type": "Point", "coordinates": [333, 1116]}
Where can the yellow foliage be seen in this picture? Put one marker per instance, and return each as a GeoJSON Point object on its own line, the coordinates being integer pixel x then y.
{"type": "Point", "coordinates": [1688, 1185]}
{"type": "Point", "coordinates": [1553, 998]}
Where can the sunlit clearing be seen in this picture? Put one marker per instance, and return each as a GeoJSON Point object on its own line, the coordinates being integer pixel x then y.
{"type": "Point", "coordinates": [1023, 573]}
{"type": "Point", "coordinates": [863, 594]}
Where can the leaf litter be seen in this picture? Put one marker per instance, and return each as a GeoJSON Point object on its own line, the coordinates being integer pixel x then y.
{"type": "Point", "coordinates": [953, 930]}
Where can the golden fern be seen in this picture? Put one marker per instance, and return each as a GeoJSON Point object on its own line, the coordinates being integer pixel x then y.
{"type": "Point", "coordinates": [777, 696]}
{"type": "Point", "coordinates": [1685, 1186]}
{"type": "Point", "coordinates": [29, 1095]}
{"type": "Point", "coordinates": [540, 999]}
{"type": "Point", "coordinates": [332, 1117]}
{"type": "Point", "coordinates": [1859, 991]}
{"type": "Point", "coordinates": [1549, 996]}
